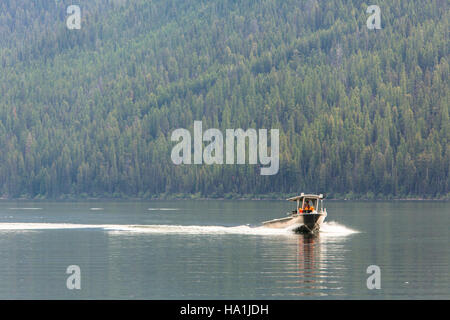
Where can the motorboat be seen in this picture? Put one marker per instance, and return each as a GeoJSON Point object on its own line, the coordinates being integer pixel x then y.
{"type": "Point", "coordinates": [307, 218]}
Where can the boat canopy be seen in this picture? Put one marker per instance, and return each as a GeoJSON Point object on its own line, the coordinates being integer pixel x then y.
{"type": "Point", "coordinates": [307, 196]}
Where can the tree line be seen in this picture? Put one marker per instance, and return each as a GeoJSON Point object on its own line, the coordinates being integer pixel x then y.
{"type": "Point", "coordinates": [90, 112]}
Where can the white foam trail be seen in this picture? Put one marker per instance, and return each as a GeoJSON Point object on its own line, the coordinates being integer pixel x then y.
{"type": "Point", "coordinates": [96, 209]}
{"type": "Point", "coordinates": [170, 229]}
{"type": "Point", "coordinates": [43, 226]}
{"type": "Point", "coordinates": [332, 228]}
{"type": "Point", "coordinates": [328, 228]}
{"type": "Point", "coordinates": [155, 229]}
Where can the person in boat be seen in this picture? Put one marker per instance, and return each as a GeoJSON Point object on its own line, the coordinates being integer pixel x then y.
{"type": "Point", "coordinates": [307, 208]}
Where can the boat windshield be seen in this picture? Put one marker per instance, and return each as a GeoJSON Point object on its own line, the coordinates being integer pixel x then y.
{"type": "Point", "coordinates": [309, 204]}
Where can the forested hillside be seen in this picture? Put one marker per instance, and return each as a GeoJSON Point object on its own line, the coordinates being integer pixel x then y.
{"type": "Point", "coordinates": [90, 112]}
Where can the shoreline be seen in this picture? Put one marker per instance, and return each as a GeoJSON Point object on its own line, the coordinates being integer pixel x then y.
{"type": "Point", "coordinates": [178, 197]}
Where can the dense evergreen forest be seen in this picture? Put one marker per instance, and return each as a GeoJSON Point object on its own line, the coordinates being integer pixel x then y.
{"type": "Point", "coordinates": [90, 112]}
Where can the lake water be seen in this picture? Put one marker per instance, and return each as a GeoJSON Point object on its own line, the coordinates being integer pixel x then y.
{"type": "Point", "coordinates": [218, 250]}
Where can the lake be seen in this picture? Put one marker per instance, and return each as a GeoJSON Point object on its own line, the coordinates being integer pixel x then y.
{"type": "Point", "coordinates": [219, 250]}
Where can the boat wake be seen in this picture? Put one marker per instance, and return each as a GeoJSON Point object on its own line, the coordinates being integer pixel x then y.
{"type": "Point", "coordinates": [155, 229]}
{"type": "Point", "coordinates": [168, 229]}
{"type": "Point", "coordinates": [327, 229]}
{"type": "Point", "coordinates": [25, 226]}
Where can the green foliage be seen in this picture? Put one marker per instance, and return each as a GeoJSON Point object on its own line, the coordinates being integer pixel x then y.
{"type": "Point", "coordinates": [89, 112]}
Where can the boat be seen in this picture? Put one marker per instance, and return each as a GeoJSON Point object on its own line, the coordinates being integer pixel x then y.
{"type": "Point", "coordinates": [306, 218]}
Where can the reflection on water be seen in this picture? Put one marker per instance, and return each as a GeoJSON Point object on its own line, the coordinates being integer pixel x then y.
{"type": "Point", "coordinates": [308, 258]}
{"type": "Point", "coordinates": [309, 255]}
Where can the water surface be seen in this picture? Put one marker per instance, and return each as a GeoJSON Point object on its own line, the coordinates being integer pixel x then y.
{"type": "Point", "coordinates": [218, 250]}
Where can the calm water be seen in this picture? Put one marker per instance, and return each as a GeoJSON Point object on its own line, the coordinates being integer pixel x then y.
{"type": "Point", "coordinates": [217, 250]}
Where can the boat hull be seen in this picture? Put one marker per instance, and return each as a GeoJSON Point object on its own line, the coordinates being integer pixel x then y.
{"type": "Point", "coordinates": [306, 222]}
